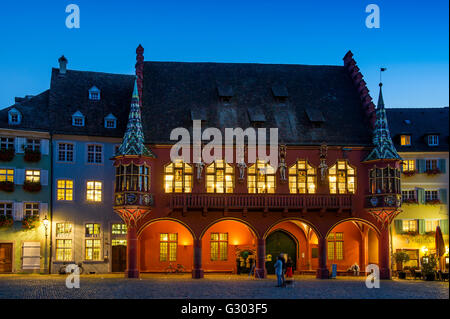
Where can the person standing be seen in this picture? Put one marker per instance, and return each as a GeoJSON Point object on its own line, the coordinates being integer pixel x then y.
{"type": "Point", "coordinates": [279, 271]}
{"type": "Point", "coordinates": [289, 266]}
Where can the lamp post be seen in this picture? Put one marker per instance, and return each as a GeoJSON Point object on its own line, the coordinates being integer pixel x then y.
{"type": "Point", "coordinates": [46, 222]}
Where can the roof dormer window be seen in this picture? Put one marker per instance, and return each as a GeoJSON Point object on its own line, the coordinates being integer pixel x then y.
{"type": "Point", "coordinates": [14, 116]}
{"type": "Point", "coordinates": [433, 140]}
{"type": "Point", "coordinates": [110, 121]}
{"type": "Point", "coordinates": [94, 94]}
{"type": "Point", "coordinates": [405, 140]}
{"type": "Point", "coordinates": [78, 119]}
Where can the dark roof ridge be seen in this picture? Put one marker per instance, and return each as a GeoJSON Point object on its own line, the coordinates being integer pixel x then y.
{"type": "Point", "coordinates": [95, 72]}
{"type": "Point", "coordinates": [248, 63]}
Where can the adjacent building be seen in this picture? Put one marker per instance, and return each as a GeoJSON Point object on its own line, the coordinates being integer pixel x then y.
{"type": "Point", "coordinates": [421, 136]}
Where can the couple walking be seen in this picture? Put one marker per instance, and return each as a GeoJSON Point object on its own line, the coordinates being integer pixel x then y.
{"type": "Point", "coordinates": [283, 268]}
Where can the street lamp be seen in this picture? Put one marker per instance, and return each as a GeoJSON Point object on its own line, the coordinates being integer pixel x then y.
{"type": "Point", "coordinates": [46, 222]}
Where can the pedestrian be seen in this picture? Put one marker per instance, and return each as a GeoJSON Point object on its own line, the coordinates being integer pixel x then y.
{"type": "Point", "coordinates": [289, 265]}
{"type": "Point", "coordinates": [279, 271]}
{"type": "Point", "coordinates": [283, 260]}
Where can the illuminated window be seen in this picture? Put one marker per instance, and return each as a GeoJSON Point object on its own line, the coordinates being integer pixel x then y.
{"type": "Point", "coordinates": [63, 249]}
{"type": "Point", "coordinates": [132, 178]}
{"type": "Point", "coordinates": [94, 154]}
{"type": "Point", "coordinates": [302, 178]}
{"type": "Point", "coordinates": [168, 244]}
{"type": "Point", "coordinates": [6, 209]}
{"type": "Point", "coordinates": [405, 140]}
{"type": "Point", "coordinates": [63, 230]}
{"type": "Point", "coordinates": [6, 143]}
{"type": "Point", "coordinates": [31, 209]}
{"type": "Point", "coordinates": [94, 191]}
{"type": "Point", "coordinates": [430, 225]}
{"type": "Point", "coordinates": [342, 178]}
{"type": "Point", "coordinates": [64, 190]}
{"type": "Point", "coordinates": [384, 180]}
{"type": "Point", "coordinates": [219, 177]}
{"type": "Point", "coordinates": [409, 225]}
{"type": "Point", "coordinates": [219, 246]}
{"type": "Point", "coordinates": [261, 178]}
{"type": "Point", "coordinates": [336, 246]}
{"type": "Point", "coordinates": [119, 242]}
{"type": "Point", "coordinates": [409, 165]}
{"type": "Point", "coordinates": [32, 176]}
{"type": "Point", "coordinates": [92, 230]}
{"type": "Point", "coordinates": [93, 249]}
{"type": "Point", "coordinates": [65, 152]}
{"type": "Point", "coordinates": [6, 175]}
{"type": "Point", "coordinates": [178, 178]}
{"type": "Point", "coordinates": [119, 229]}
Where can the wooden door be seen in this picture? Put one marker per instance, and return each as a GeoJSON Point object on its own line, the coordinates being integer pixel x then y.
{"type": "Point", "coordinates": [6, 257]}
{"type": "Point", "coordinates": [119, 258]}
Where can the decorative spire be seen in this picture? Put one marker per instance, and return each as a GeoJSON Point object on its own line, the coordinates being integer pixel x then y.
{"type": "Point", "coordinates": [384, 148]}
{"type": "Point", "coordinates": [133, 141]}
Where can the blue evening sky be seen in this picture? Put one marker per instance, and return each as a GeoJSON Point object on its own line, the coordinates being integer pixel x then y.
{"type": "Point", "coordinates": [413, 41]}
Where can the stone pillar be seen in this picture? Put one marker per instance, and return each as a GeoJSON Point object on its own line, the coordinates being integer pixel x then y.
{"type": "Point", "coordinates": [384, 254]}
{"type": "Point", "coordinates": [260, 270]}
{"type": "Point", "coordinates": [364, 251]}
{"type": "Point", "coordinates": [322, 271]}
{"type": "Point", "coordinates": [132, 270]}
{"type": "Point", "coordinates": [197, 272]}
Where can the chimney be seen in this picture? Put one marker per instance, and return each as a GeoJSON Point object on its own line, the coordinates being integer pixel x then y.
{"type": "Point", "coordinates": [62, 65]}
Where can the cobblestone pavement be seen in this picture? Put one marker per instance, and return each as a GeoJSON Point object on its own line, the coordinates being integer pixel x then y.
{"type": "Point", "coordinates": [212, 286]}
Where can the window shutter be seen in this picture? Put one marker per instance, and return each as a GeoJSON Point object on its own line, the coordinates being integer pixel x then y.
{"type": "Point", "coordinates": [420, 163]}
{"type": "Point", "coordinates": [43, 211]}
{"type": "Point", "coordinates": [421, 226]}
{"type": "Point", "coordinates": [398, 223]}
{"type": "Point", "coordinates": [19, 176]}
{"type": "Point", "coordinates": [443, 223]}
{"type": "Point", "coordinates": [44, 177]}
{"type": "Point", "coordinates": [441, 165]}
{"type": "Point", "coordinates": [443, 195]}
{"type": "Point", "coordinates": [18, 211]}
{"type": "Point", "coordinates": [401, 166]}
{"type": "Point", "coordinates": [420, 195]}
{"type": "Point", "coordinates": [44, 147]}
{"type": "Point", "coordinates": [19, 144]}
{"type": "Point", "coordinates": [31, 256]}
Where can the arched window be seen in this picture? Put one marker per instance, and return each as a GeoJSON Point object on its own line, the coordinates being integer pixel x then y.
{"type": "Point", "coordinates": [302, 178]}
{"type": "Point", "coordinates": [261, 178]}
{"type": "Point", "coordinates": [384, 180]}
{"type": "Point", "coordinates": [219, 177]}
{"type": "Point", "coordinates": [178, 178]}
{"type": "Point", "coordinates": [135, 178]}
{"type": "Point", "coordinates": [342, 178]}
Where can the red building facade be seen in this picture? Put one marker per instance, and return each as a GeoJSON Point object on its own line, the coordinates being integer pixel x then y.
{"type": "Point", "coordinates": [331, 205]}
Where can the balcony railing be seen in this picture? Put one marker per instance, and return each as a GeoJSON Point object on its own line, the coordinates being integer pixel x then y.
{"type": "Point", "coordinates": [260, 201]}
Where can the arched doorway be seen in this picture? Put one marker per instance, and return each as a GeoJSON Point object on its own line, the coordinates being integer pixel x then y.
{"type": "Point", "coordinates": [165, 244]}
{"type": "Point", "coordinates": [280, 242]}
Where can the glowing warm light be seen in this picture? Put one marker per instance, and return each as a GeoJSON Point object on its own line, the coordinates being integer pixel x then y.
{"type": "Point", "coordinates": [446, 250]}
{"type": "Point", "coordinates": [424, 249]}
{"type": "Point", "coordinates": [236, 243]}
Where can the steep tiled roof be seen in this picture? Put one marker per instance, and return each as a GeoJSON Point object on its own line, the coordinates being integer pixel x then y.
{"type": "Point", "coordinates": [419, 122]}
{"type": "Point", "coordinates": [174, 90]}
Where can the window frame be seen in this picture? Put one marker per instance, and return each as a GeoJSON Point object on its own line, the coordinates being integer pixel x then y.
{"type": "Point", "coordinates": [33, 211]}
{"type": "Point", "coordinates": [166, 246]}
{"type": "Point", "coordinates": [307, 175]}
{"type": "Point", "coordinates": [4, 209]}
{"type": "Point", "coordinates": [266, 184]}
{"type": "Point", "coordinates": [220, 248]}
{"type": "Point", "coordinates": [183, 174]}
{"type": "Point", "coordinates": [355, 176]}
{"type": "Point", "coordinates": [392, 183]}
{"type": "Point", "coordinates": [215, 170]}
{"type": "Point", "coordinates": [7, 142]}
{"type": "Point", "coordinates": [433, 140]}
{"type": "Point", "coordinates": [33, 176]}
{"type": "Point", "coordinates": [405, 140]}
{"type": "Point", "coordinates": [333, 241]}
{"type": "Point", "coordinates": [410, 165]}
{"type": "Point", "coordinates": [7, 174]}
{"type": "Point", "coordinates": [95, 153]}
{"type": "Point", "coordinates": [126, 177]}
{"type": "Point", "coordinates": [410, 222]}
{"type": "Point", "coordinates": [65, 180]}
{"type": "Point", "coordinates": [58, 152]}
{"type": "Point", "coordinates": [94, 190]}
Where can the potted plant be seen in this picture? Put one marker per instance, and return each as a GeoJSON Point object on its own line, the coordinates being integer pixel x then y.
{"type": "Point", "coordinates": [6, 155]}
{"type": "Point", "coordinates": [433, 171]}
{"type": "Point", "coordinates": [409, 173]}
{"type": "Point", "coordinates": [401, 257]}
{"type": "Point", "coordinates": [433, 202]}
{"type": "Point", "coordinates": [410, 201]}
{"type": "Point", "coordinates": [32, 187]}
{"type": "Point", "coordinates": [32, 155]}
{"type": "Point", "coordinates": [30, 222]}
{"type": "Point", "coordinates": [7, 186]}
{"type": "Point", "coordinates": [6, 221]}
{"type": "Point", "coordinates": [429, 264]}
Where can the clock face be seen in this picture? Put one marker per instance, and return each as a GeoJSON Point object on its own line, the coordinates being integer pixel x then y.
{"type": "Point", "coordinates": [119, 199]}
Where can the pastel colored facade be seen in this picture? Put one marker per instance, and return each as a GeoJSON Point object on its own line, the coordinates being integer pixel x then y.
{"type": "Point", "coordinates": [24, 200]}
{"type": "Point", "coordinates": [423, 141]}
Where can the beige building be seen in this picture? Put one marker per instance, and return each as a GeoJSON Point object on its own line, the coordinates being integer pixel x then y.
{"type": "Point", "coordinates": [421, 136]}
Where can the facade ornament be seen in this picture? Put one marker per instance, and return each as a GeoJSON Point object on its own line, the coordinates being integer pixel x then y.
{"type": "Point", "coordinates": [282, 166]}
{"type": "Point", "coordinates": [241, 164]}
{"type": "Point", "coordinates": [200, 165]}
{"type": "Point", "coordinates": [323, 167]}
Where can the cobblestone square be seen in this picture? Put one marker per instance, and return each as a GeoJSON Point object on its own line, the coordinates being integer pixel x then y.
{"type": "Point", "coordinates": [213, 286]}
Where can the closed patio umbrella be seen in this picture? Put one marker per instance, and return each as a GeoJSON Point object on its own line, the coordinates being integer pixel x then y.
{"type": "Point", "coordinates": [440, 245]}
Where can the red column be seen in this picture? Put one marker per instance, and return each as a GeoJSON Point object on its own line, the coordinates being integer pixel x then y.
{"type": "Point", "coordinates": [197, 272]}
{"type": "Point", "coordinates": [260, 270]}
{"type": "Point", "coordinates": [308, 254]}
{"type": "Point", "coordinates": [384, 254]}
{"type": "Point", "coordinates": [364, 251]}
{"type": "Point", "coordinates": [322, 271]}
{"type": "Point", "coordinates": [132, 270]}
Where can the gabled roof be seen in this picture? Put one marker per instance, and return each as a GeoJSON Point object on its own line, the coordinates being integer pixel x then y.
{"type": "Point", "coordinates": [423, 121]}
{"type": "Point", "coordinates": [172, 90]}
